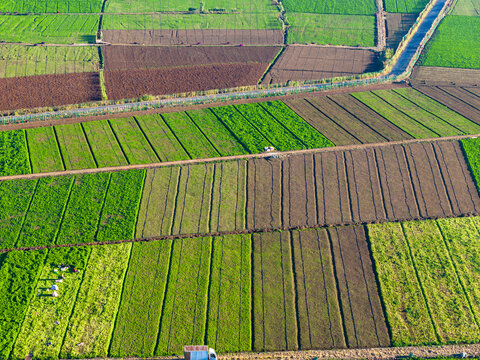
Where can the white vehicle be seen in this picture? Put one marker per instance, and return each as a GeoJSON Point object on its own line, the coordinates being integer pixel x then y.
{"type": "Point", "coordinates": [199, 352]}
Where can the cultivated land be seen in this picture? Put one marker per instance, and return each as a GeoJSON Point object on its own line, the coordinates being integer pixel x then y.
{"type": "Point", "coordinates": [398, 25]}
{"type": "Point", "coordinates": [407, 6]}
{"type": "Point", "coordinates": [467, 7]}
{"type": "Point", "coordinates": [433, 75]}
{"type": "Point", "coordinates": [44, 6]}
{"type": "Point", "coordinates": [350, 7]}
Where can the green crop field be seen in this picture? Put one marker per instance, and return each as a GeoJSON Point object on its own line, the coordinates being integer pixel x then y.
{"type": "Point", "coordinates": [13, 153]}
{"type": "Point", "coordinates": [51, 29]}
{"type": "Point", "coordinates": [471, 149]}
{"type": "Point", "coordinates": [467, 8]}
{"type": "Point", "coordinates": [50, 6]}
{"type": "Point", "coordinates": [331, 29]}
{"type": "Point", "coordinates": [19, 60]}
{"type": "Point", "coordinates": [406, 6]}
{"type": "Point", "coordinates": [192, 21]}
{"type": "Point", "coordinates": [342, 7]}
{"type": "Point", "coordinates": [448, 49]}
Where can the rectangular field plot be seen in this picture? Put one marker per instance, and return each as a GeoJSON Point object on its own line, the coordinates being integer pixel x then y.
{"type": "Point", "coordinates": [21, 60]}
{"type": "Point", "coordinates": [74, 147]}
{"type": "Point", "coordinates": [51, 29]}
{"type": "Point", "coordinates": [44, 150]}
{"type": "Point", "coordinates": [331, 29]}
{"type": "Point", "coordinates": [440, 76]}
{"type": "Point", "coordinates": [48, 6]}
{"type": "Point", "coordinates": [349, 7]}
{"type": "Point", "coordinates": [471, 149]}
{"type": "Point", "coordinates": [407, 6]}
{"type": "Point", "coordinates": [14, 153]}
{"type": "Point", "coordinates": [467, 8]}
{"type": "Point", "coordinates": [398, 25]}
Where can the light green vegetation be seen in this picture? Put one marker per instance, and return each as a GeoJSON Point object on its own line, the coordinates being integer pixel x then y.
{"type": "Point", "coordinates": [406, 6]}
{"type": "Point", "coordinates": [134, 144]}
{"type": "Point", "coordinates": [240, 21]}
{"type": "Point", "coordinates": [342, 7]}
{"type": "Point", "coordinates": [51, 29]}
{"type": "Point", "coordinates": [425, 118]}
{"type": "Point", "coordinates": [105, 148]}
{"type": "Point", "coordinates": [230, 294]}
{"type": "Point", "coordinates": [273, 305]}
{"type": "Point", "coordinates": [471, 149]}
{"type": "Point", "coordinates": [44, 151]}
{"type": "Point", "coordinates": [193, 209]}
{"type": "Point", "coordinates": [448, 49]}
{"type": "Point", "coordinates": [19, 273]}
{"type": "Point", "coordinates": [47, 318]}
{"type": "Point", "coordinates": [398, 118]}
{"type": "Point", "coordinates": [406, 309]}
{"type": "Point", "coordinates": [15, 197]}
{"type": "Point", "coordinates": [43, 219]}
{"type": "Point", "coordinates": [161, 138]}
{"type": "Point", "coordinates": [96, 306]}
{"type": "Point", "coordinates": [21, 60]}
{"type": "Point", "coordinates": [467, 8]}
{"type": "Point", "coordinates": [299, 127]}
{"type": "Point", "coordinates": [281, 138]}
{"type": "Point", "coordinates": [190, 136]}
{"type": "Point", "coordinates": [82, 215]}
{"type": "Point", "coordinates": [119, 213]}
{"type": "Point", "coordinates": [74, 147]}
{"type": "Point", "coordinates": [244, 6]}
{"type": "Point", "coordinates": [331, 29]}
{"type": "Point", "coordinates": [443, 112]}
{"type": "Point", "coordinates": [225, 142]}
{"type": "Point", "coordinates": [138, 317]}
{"type": "Point", "coordinates": [184, 311]}
{"type": "Point", "coordinates": [51, 6]}
{"type": "Point", "coordinates": [13, 153]}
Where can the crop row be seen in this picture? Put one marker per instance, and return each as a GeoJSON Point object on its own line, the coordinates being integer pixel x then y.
{"type": "Point", "coordinates": [222, 131]}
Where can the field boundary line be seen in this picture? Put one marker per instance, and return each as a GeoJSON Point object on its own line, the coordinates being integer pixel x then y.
{"type": "Point", "coordinates": [234, 157]}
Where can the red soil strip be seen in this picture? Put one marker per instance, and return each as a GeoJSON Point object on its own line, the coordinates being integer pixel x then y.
{"type": "Point", "coordinates": [192, 37]}
{"type": "Point", "coordinates": [136, 57]}
{"type": "Point", "coordinates": [49, 90]}
{"type": "Point", "coordinates": [122, 84]}
{"type": "Point", "coordinates": [300, 63]}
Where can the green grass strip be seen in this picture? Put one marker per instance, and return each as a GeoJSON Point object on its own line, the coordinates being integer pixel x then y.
{"type": "Point", "coordinates": [18, 277]}
{"type": "Point", "coordinates": [47, 318]}
{"type": "Point", "coordinates": [43, 148]}
{"type": "Point", "coordinates": [138, 317]}
{"type": "Point", "coordinates": [229, 325]}
{"type": "Point", "coordinates": [120, 210]}
{"type": "Point", "coordinates": [471, 149]}
{"type": "Point", "coordinates": [74, 147]}
{"type": "Point", "coordinates": [13, 153]}
{"type": "Point", "coordinates": [299, 127]}
{"type": "Point", "coordinates": [406, 311]}
{"type": "Point", "coordinates": [93, 316]}
{"type": "Point", "coordinates": [184, 312]}
{"type": "Point", "coordinates": [15, 198]}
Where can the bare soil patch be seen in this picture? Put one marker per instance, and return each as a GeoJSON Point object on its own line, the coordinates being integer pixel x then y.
{"type": "Point", "coordinates": [398, 25]}
{"type": "Point", "coordinates": [439, 76]}
{"type": "Point", "coordinates": [122, 84]}
{"type": "Point", "coordinates": [299, 63]}
{"type": "Point", "coordinates": [145, 57]}
{"type": "Point", "coordinates": [49, 90]}
{"type": "Point", "coordinates": [192, 37]}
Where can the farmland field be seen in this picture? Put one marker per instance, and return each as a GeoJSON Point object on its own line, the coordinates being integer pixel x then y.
{"type": "Point", "coordinates": [467, 7]}
{"type": "Point", "coordinates": [52, 29]}
{"type": "Point", "coordinates": [407, 6]}
{"type": "Point", "coordinates": [448, 50]}
{"type": "Point", "coordinates": [331, 29]}
{"type": "Point", "coordinates": [471, 149]}
{"type": "Point", "coordinates": [349, 7]}
{"type": "Point", "coordinates": [44, 6]}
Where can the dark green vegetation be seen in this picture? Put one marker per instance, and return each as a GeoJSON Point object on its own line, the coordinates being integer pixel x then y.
{"type": "Point", "coordinates": [348, 7]}
{"type": "Point", "coordinates": [471, 148]}
{"type": "Point", "coordinates": [407, 6]}
{"type": "Point", "coordinates": [448, 49]}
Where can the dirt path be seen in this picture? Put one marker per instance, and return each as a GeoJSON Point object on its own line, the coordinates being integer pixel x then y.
{"type": "Point", "coordinates": [229, 158]}
{"type": "Point", "coordinates": [381, 27]}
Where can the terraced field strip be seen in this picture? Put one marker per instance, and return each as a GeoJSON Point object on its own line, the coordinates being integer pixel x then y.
{"type": "Point", "coordinates": [74, 147]}
{"type": "Point", "coordinates": [471, 150]}
{"type": "Point", "coordinates": [44, 150]}
{"type": "Point", "coordinates": [13, 146]}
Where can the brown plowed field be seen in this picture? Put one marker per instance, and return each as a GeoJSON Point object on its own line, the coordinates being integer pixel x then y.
{"type": "Point", "coordinates": [122, 84]}
{"type": "Point", "coordinates": [398, 25]}
{"type": "Point", "coordinates": [364, 320]}
{"type": "Point", "coordinates": [457, 104]}
{"type": "Point", "coordinates": [438, 76]}
{"type": "Point", "coordinates": [151, 57]}
{"type": "Point", "coordinates": [344, 120]}
{"type": "Point", "coordinates": [191, 37]}
{"type": "Point", "coordinates": [49, 90]}
{"type": "Point", "coordinates": [301, 63]}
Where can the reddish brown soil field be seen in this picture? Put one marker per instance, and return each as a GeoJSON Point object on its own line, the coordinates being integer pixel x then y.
{"type": "Point", "coordinates": [49, 90]}
{"type": "Point", "coordinates": [397, 27]}
{"type": "Point", "coordinates": [122, 84]}
{"type": "Point", "coordinates": [456, 103]}
{"type": "Point", "coordinates": [301, 63]}
{"type": "Point", "coordinates": [364, 320]}
{"type": "Point", "coordinates": [438, 76]}
{"type": "Point", "coordinates": [192, 37]}
{"type": "Point", "coordinates": [345, 120]}
{"type": "Point", "coordinates": [143, 57]}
